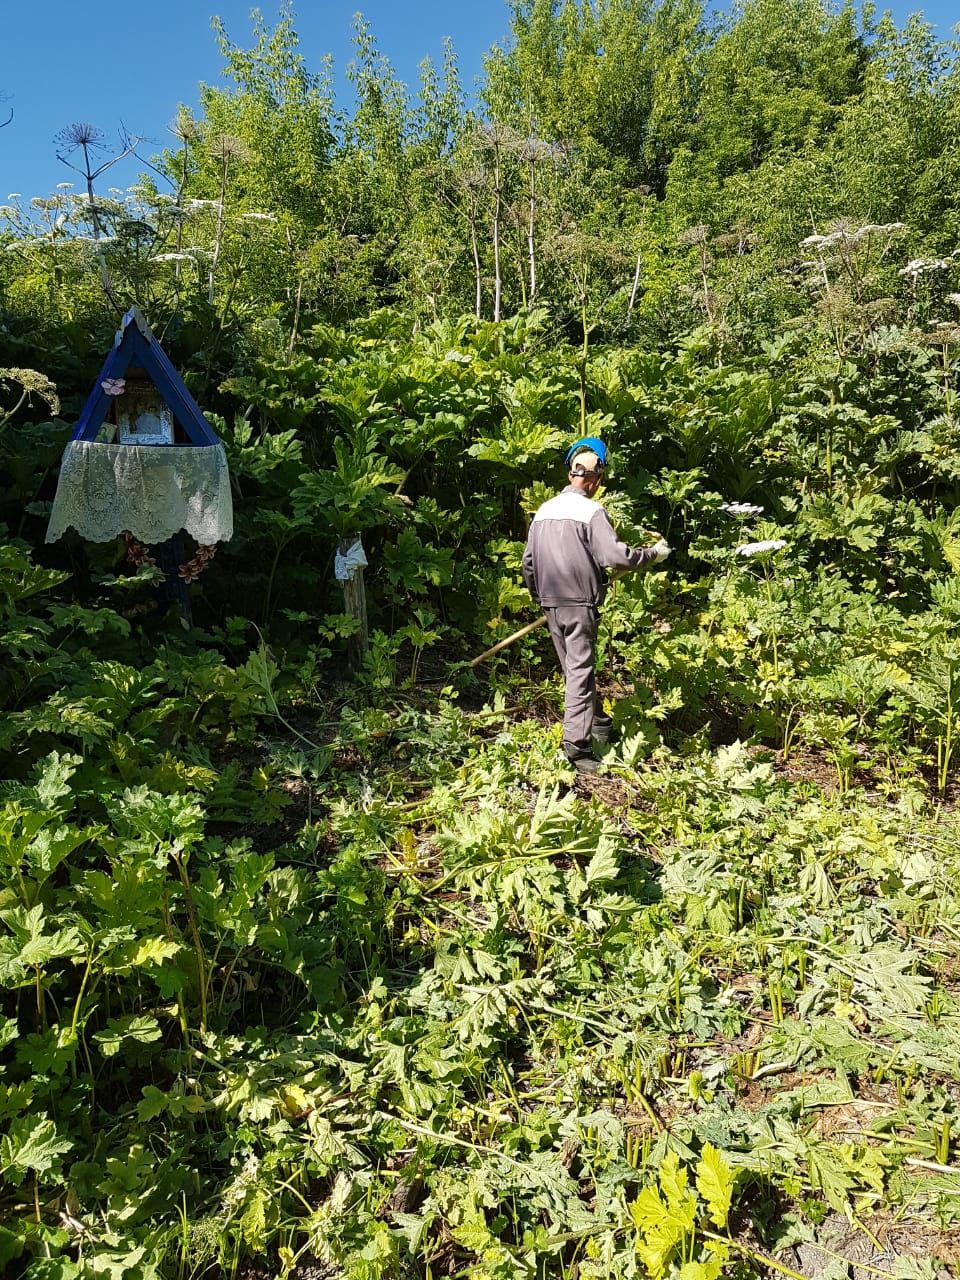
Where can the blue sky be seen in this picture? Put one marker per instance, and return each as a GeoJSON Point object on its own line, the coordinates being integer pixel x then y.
{"type": "Point", "coordinates": [69, 60]}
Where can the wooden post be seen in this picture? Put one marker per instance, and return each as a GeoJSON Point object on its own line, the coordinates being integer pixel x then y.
{"type": "Point", "coordinates": [355, 606]}
{"type": "Point", "coordinates": [173, 589]}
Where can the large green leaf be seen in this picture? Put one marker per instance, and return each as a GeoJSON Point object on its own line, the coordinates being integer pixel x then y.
{"type": "Point", "coordinates": [30, 1144]}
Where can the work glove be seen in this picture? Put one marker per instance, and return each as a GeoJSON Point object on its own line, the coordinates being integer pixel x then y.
{"type": "Point", "coordinates": [662, 550]}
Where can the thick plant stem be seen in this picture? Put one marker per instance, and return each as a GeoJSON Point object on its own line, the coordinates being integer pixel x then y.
{"type": "Point", "coordinates": [80, 994]}
{"type": "Point", "coordinates": [497, 206]}
{"type": "Point", "coordinates": [195, 939]}
{"type": "Point", "coordinates": [635, 287]}
{"type": "Point", "coordinates": [477, 269]}
{"type": "Point", "coordinates": [105, 279]}
{"type": "Point", "coordinates": [763, 1258]}
{"type": "Point", "coordinates": [947, 734]}
{"type": "Point", "coordinates": [218, 237]}
{"type": "Point", "coordinates": [15, 410]}
{"type": "Point", "coordinates": [531, 229]}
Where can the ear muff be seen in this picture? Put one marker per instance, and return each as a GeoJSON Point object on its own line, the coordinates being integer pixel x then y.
{"type": "Point", "coordinates": [592, 443]}
{"type": "Point", "coordinates": [579, 471]}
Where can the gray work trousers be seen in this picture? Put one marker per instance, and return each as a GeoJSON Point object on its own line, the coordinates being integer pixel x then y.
{"type": "Point", "coordinates": [573, 630]}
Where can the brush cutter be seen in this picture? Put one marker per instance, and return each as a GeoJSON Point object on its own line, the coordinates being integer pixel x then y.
{"type": "Point", "coordinates": [532, 626]}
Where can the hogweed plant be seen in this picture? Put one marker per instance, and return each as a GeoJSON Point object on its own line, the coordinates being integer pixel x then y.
{"type": "Point", "coordinates": [933, 694]}
{"type": "Point", "coordinates": [760, 551]}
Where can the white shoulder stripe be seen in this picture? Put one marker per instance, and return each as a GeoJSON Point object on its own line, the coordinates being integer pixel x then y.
{"type": "Point", "coordinates": [568, 506]}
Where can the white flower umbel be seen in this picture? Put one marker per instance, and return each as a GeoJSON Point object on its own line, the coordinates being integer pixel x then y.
{"type": "Point", "coordinates": [919, 266]}
{"type": "Point", "coordinates": [741, 509]}
{"type": "Point", "coordinates": [758, 548]}
{"type": "Point", "coordinates": [850, 235]}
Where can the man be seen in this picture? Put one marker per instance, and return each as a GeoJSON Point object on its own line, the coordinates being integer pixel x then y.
{"type": "Point", "coordinates": [570, 546]}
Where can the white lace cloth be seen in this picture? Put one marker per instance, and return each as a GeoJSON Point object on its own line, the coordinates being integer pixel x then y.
{"type": "Point", "coordinates": [152, 490]}
{"type": "Point", "coordinates": [346, 563]}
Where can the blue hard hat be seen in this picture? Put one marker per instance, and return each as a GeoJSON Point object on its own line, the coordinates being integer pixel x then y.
{"type": "Point", "coordinates": [589, 442]}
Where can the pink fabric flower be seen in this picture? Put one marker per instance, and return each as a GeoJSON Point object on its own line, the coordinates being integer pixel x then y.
{"type": "Point", "coordinates": [113, 386]}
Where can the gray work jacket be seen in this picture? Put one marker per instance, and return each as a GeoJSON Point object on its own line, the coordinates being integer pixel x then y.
{"type": "Point", "coordinates": [570, 545]}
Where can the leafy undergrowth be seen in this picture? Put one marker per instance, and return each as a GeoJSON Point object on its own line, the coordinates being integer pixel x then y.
{"type": "Point", "coordinates": [471, 1016]}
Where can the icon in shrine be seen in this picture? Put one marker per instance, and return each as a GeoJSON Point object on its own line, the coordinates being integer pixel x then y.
{"type": "Point", "coordinates": [142, 417]}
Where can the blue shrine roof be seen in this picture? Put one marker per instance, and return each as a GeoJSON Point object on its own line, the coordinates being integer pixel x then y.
{"type": "Point", "coordinates": [136, 345]}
